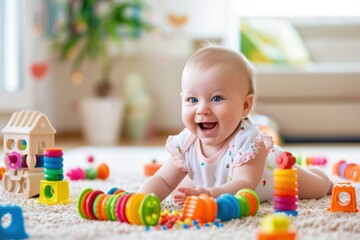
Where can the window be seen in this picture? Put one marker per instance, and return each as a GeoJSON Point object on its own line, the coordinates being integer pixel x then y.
{"type": "Point", "coordinates": [14, 42]}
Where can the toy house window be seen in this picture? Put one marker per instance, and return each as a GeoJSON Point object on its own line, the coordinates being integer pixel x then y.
{"type": "Point", "coordinates": [14, 41]}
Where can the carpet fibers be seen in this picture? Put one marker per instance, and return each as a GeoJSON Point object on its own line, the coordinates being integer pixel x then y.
{"type": "Point", "coordinates": [63, 222]}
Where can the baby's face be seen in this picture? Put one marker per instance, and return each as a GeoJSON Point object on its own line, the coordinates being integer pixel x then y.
{"type": "Point", "coordinates": [213, 102]}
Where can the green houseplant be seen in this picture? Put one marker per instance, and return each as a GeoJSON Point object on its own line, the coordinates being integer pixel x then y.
{"type": "Point", "coordinates": [91, 28]}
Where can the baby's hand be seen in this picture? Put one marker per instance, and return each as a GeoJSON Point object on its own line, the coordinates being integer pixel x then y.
{"type": "Point", "coordinates": [184, 192]}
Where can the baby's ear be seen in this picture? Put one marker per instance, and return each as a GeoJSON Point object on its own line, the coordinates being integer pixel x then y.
{"type": "Point", "coordinates": [248, 104]}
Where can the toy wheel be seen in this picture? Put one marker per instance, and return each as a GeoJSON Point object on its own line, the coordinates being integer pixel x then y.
{"type": "Point", "coordinates": [150, 210]}
{"type": "Point", "coordinates": [14, 160]}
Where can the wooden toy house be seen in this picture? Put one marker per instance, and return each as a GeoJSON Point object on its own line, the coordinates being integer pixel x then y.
{"type": "Point", "coordinates": [26, 136]}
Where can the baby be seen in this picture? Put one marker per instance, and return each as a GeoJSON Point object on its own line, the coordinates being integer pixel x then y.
{"type": "Point", "coordinates": [221, 150]}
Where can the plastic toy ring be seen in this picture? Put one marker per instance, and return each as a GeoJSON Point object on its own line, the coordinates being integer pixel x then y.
{"type": "Point", "coordinates": [251, 196]}
{"type": "Point", "coordinates": [53, 152]}
{"type": "Point", "coordinates": [132, 207]}
{"type": "Point", "coordinates": [244, 205]}
{"type": "Point", "coordinates": [103, 207]}
{"type": "Point", "coordinates": [113, 205]}
{"type": "Point", "coordinates": [81, 202]}
{"type": "Point", "coordinates": [108, 207]}
{"type": "Point", "coordinates": [97, 207]}
{"type": "Point", "coordinates": [89, 202]}
{"type": "Point", "coordinates": [50, 165]}
{"type": "Point", "coordinates": [285, 179]}
{"type": "Point", "coordinates": [286, 206]}
{"type": "Point", "coordinates": [150, 210]}
{"type": "Point", "coordinates": [253, 203]}
{"type": "Point", "coordinates": [286, 172]}
{"type": "Point", "coordinates": [14, 160]}
{"type": "Point", "coordinates": [122, 208]}
{"type": "Point", "coordinates": [283, 185]}
{"type": "Point", "coordinates": [285, 192]}
{"type": "Point", "coordinates": [53, 160]}
{"type": "Point", "coordinates": [348, 170]}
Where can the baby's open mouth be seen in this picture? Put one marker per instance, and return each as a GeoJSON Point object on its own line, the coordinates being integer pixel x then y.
{"type": "Point", "coordinates": [207, 125]}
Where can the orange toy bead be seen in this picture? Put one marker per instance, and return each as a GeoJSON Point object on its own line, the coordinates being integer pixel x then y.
{"type": "Point", "coordinates": [151, 168]}
{"type": "Point", "coordinates": [194, 208]}
{"type": "Point", "coordinates": [355, 173]}
{"type": "Point", "coordinates": [2, 171]}
{"type": "Point", "coordinates": [348, 171]}
{"type": "Point", "coordinates": [103, 171]}
{"type": "Point", "coordinates": [211, 208]}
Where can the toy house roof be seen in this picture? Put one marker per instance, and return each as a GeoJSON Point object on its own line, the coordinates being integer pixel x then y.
{"type": "Point", "coordinates": [29, 122]}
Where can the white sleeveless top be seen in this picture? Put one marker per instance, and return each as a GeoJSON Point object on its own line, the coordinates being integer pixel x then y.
{"type": "Point", "coordinates": [216, 170]}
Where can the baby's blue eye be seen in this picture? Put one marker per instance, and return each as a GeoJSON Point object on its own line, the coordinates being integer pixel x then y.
{"type": "Point", "coordinates": [193, 100]}
{"type": "Point", "coordinates": [216, 99]}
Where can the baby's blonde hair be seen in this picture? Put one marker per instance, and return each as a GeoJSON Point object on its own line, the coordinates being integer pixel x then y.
{"type": "Point", "coordinates": [212, 55]}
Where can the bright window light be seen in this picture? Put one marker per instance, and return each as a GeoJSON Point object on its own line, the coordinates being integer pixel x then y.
{"type": "Point", "coordinates": [11, 45]}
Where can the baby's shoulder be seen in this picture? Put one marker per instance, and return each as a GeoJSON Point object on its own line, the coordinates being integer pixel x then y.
{"type": "Point", "coordinates": [180, 142]}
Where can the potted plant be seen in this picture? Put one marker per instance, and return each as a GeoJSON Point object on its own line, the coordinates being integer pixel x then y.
{"type": "Point", "coordinates": [91, 28]}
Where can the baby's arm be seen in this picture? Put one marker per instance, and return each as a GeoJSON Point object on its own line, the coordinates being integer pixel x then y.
{"type": "Point", "coordinates": [164, 181]}
{"type": "Point", "coordinates": [247, 175]}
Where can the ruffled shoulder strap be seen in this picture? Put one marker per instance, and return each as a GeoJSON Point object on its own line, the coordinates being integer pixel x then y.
{"type": "Point", "coordinates": [178, 145]}
{"type": "Point", "coordinates": [246, 143]}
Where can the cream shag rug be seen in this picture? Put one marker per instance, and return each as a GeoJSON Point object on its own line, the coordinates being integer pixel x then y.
{"type": "Point", "coordinates": [63, 221]}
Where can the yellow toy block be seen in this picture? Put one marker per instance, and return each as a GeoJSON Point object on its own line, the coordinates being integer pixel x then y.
{"type": "Point", "coordinates": [54, 192]}
{"type": "Point", "coordinates": [275, 227]}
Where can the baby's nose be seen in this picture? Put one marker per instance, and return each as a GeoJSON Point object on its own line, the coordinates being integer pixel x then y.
{"type": "Point", "coordinates": [203, 109]}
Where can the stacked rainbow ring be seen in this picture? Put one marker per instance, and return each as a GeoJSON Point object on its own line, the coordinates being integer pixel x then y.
{"type": "Point", "coordinates": [286, 185]}
{"type": "Point", "coordinates": [53, 164]}
{"type": "Point", "coordinates": [224, 208]}
{"type": "Point", "coordinates": [118, 205]}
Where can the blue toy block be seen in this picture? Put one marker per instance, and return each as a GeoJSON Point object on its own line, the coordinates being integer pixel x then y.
{"type": "Point", "coordinates": [16, 228]}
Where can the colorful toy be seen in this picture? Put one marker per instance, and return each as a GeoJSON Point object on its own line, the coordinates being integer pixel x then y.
{"type": "Point", "coordinates": [132, 208]}
{"type": "Point", "coordinates": [16, 227]}
{"type": "Point", "coordinates": [313, 160]}
{"type": "Point", "coordinates": [275, 227]}
{"type": "Point", "coordinates": [54, 189]}
{"type": "Point", "coordinates": [2, 171]}
{"type": "Point", "coordinates": [151, 168]}
{"type": "Point", "coordinates": [339, 205]}
{"type": "Point", "coordinates": [101, 172]}
{"type": "Point", "coordinates": [286, 185]}
{"type": "Point", "coordinates": [348, 171]}
{"type": "Point", "coordinates": [226, 207]}
{"type": "Point", "coordinates": [25, 137]}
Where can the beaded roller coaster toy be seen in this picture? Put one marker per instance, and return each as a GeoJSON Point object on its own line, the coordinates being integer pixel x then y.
{"type": "Point", "coordinates": [141, 209]}
{"type": "Point", "coordinates": [286, 185]}
{"type": "Point", "coordinates": [118, 205]}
